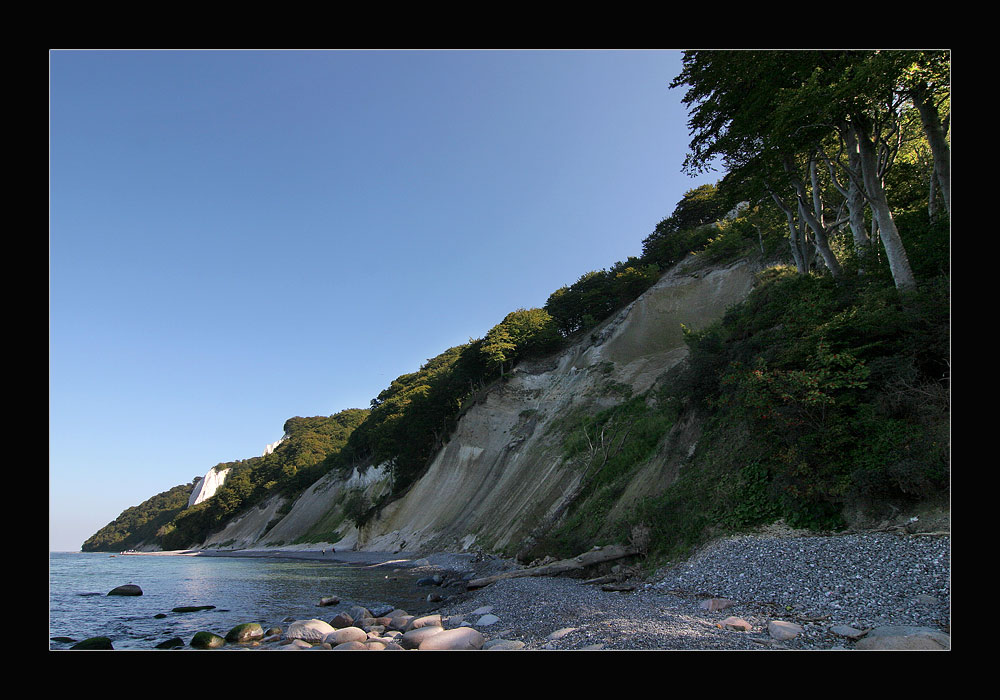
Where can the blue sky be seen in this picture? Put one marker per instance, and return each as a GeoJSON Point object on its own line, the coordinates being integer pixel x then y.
{"type": "Point", "coordinates": [239, 237]}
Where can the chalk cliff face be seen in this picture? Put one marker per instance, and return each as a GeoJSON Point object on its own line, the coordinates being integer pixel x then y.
{"type": "Point", "coordinates": [208, 485]}
{"type": "Point", "coordinates": [502, 472]}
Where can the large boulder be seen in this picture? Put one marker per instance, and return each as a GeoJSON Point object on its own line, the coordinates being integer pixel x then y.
{"type": "Point", "coordinates": [414, 638]}
{"type": "Point", "coordinates": [246, 632]}
{"type": "Point", "coordinates": [171, 643]}
{"type": "Point", "coordinates": [93, 643]}
{"type": "Point", "coordinates": [309, 630]}
{"type": "Point", "coordinates": [207, 640]}
{"type": "Point", "coordinates": [346, 634]}
{"type": "Point", "coordinates": [458, 639]}
{"type": "Point", "coordinates": [127, 589]}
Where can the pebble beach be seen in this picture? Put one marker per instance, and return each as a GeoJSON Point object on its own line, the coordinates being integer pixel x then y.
{"type": "Point", "coordinates": [762, 592]}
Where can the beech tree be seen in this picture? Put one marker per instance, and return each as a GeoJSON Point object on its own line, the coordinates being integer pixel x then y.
{"type": "Point", "coordinates": [771, 117]}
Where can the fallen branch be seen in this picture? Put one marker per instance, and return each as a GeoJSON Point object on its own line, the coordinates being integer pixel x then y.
{"type": "Point", "coordinates": [598, 555]}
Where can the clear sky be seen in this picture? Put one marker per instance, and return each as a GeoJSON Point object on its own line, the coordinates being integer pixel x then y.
{"type": "Point", "coordinates": [239, 237]}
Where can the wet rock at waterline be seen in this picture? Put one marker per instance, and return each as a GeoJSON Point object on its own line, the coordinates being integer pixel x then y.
{"type": "Point", "coordinates": [127, 589]}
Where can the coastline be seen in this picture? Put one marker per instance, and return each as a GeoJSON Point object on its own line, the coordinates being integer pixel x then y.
{"type": "Point", "coordinates": [446, 561]}
{"type": "Point", "coordinates": [737, 593]}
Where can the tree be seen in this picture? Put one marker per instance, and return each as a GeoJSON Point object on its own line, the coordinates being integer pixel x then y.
{"type": "Point", "coordinates": [770, 116]}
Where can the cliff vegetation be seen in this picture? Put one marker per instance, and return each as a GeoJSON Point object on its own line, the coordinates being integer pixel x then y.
{"type": "Point", "coordinates": [822, 399]}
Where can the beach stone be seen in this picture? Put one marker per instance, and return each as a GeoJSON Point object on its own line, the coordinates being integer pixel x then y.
{"type": "Point", "coordinates": [308, 630]}
{"type": "Point", "coordinates": [847, 631]}
{"type": "Point", "coordinates": [735, 624]}
{"type": "Point", "coordinates": [560, 633]}
{"type": "Point", "coordinates": [714, 604]}
{"type": "Point", "coordinates": [484, 610]}
{"type": "Point", "coordinates": [415, 637]}
{"type": "Point", "coordinates": [382, 610]}
{"type": "Point", "coordinates": [342, 620]}
{"type": "Point", "coordinates": [904, 637]}
{"type": "Point", "coordinates": [783, 631]}
{"type": "Point", "coordinates": [392, 646]}
{"type": "Point", "coordinates": [487, 620]}
{"type": "Point", "coordinates": [207, 640]}
{"type": "Point", "coordinates": [346, 634]}
{"type": "Point", "coordinates": [357, 612]}
{"type": "Point", "coordinates": [458, 639]}
{"type": "Point", "coordinates": [434, 597]}
{"type": "Point", "coordinates": [424, 621]}
{"type": "Point", "coordinates": [171, 643]}
{"type": "Point", "coordinates": [503, 645]}
{"type": "Point", "coordinates": [328, 600]}
{"type": "Point", "coordinates": [93, 644]}
{"type": "Point", "coordinates": [127, 589]}
{"type": "Point", "coordinates": [295, 645]}
{"type": "Point", "coordinates": [272, 631]}
{"type": "Point", "coordinates": [351, 646]}
{"type": "Point", "coordinates": [401, 622]}
{"type": "Point", "coordinates": [246, 632]}
{"type": "Point", "coordinates": [375, 645]}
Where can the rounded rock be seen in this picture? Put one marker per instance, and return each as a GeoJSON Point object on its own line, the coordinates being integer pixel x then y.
{"type": "Point", "coordinates": [458, 639]}
{"type": "Point", "coordinates": [246, 632]}
{"type": "Point", "coordinates": [346, 634]}
{"type": "Point", "coordinates": [127, 589]}
{"type": "Point", "coordinates": [309, 630]}
{"type": "Point", "coordinates": [414, 638]}
{"type": "Point", "coordinates": [207, 640]}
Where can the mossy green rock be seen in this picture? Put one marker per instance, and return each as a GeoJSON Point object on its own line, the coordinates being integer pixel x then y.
{"type": "Point", "coordinates": [247, 632]}
{"type": "Point", "coordinates": [172, 643]}
{"type": "Point", "coordinates": [93, 643]}
{"type": "Point", "coordinates": [207, 640]}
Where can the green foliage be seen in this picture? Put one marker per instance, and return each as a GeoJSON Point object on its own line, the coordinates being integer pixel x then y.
{"type": "Point", "coordinates": [140, 523]}
{"type": "Point", "coordinates": [522, 333]}
{"type": "Point", "coordinates": [302, 458]}
{"type": "Point", "coordinates": [594, 296]}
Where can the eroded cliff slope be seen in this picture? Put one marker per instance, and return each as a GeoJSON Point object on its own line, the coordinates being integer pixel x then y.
{"type": "Point", "coordinates": [503, 473]}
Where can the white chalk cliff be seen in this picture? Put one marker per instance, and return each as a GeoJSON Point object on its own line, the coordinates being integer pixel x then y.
{"type": "Point", "coordinates": [208, 485]}
{"type": "Point", "coordinates": [502, 472]}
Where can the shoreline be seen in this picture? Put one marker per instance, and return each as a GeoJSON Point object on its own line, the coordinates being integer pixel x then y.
{"type": "Point", "coordinates": [737, 593]}
{"type": "Point", "coordinates": [445, 561]}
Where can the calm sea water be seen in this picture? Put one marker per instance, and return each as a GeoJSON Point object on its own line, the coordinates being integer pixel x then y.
{"type": "Point", "coordinates": [242, 590]}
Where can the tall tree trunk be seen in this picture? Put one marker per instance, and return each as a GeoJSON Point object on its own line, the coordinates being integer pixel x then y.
{"type": "Point", "coordinates": [802, 251]}
{"type": "Point", "coordinates": [854, 198]}
{"type": "Point", "coordinates": [814, 218]}
{"type": "Point", "coordinates": [936, 132]}
{"type": "Point", "coordinates": [899, 263]}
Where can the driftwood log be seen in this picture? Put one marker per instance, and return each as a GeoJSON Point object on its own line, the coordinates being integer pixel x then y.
{"type": "Point", "coordinates": [598, 555]}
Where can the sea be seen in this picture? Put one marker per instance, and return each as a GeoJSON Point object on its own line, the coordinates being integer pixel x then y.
{"type": "Point", "coordinates": [257, 589]}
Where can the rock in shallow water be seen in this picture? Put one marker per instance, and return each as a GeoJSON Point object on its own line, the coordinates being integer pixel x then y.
{"type": "Point", "coordinates": [247, 632]}
{"type": "Point", "coordinates": [207, 640]}
{"type": "Point", "coordinates": [94, 644]}
{"type": "Point", "coordinates": [127, 589]}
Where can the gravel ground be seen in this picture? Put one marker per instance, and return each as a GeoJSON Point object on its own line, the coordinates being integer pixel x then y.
{"type": "Point", "coordinates": [859, 580]}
